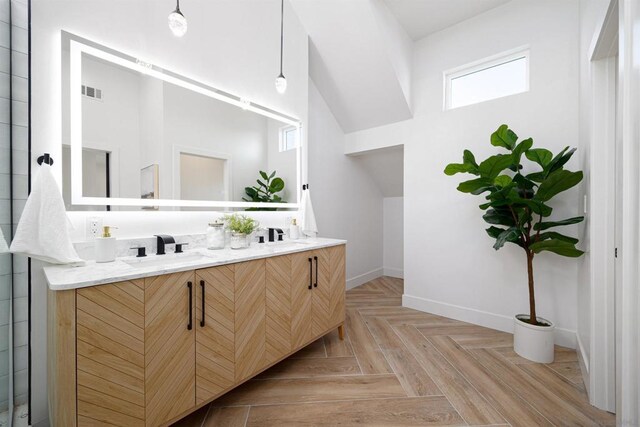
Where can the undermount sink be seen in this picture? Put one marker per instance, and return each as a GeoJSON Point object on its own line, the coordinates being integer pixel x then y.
{"type": "Point", "coordinates": [288, 245]}
{"type": "Point", "coordinates": [158, 260]}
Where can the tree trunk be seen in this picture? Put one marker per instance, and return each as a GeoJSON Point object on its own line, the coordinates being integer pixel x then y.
{"type": "Point", "coordinates": [532, 299]}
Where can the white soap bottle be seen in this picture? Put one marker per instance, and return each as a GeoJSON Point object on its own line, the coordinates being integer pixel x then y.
{"type": "Point", "coordinates": [294, 230]}
{"type": "Point", "coordinates": [106, 246]}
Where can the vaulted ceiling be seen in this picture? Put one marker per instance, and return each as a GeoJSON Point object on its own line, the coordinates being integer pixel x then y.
{"type": "Point", "coordinates": [361, 52]}
{"type": "Point", "coordinates": [419, 18]}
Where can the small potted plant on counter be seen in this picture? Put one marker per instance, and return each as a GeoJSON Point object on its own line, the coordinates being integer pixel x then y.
{"type": "Point", "coordinates": [517, 209]}
{"type": "Point", "coordinates": [241, 228]}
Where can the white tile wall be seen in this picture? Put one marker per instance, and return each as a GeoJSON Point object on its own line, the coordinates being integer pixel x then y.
{"type": "Point", "coordinates": [5, 203]}
{"type": "Point", "coordinates": [19, 81]}
{"type": "Point", "coordinates": [13, 276]}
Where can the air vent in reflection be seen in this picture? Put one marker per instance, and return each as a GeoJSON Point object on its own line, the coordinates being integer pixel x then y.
{"type": "Point", "coordinates": [92, 92]}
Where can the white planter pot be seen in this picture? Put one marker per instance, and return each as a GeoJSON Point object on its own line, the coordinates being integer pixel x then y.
{"type": "Point", "coordinates": [533, 342]}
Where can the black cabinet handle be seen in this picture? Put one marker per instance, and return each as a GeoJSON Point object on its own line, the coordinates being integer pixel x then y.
{"type": "Point", "coordinates": [190, 324]}
{"type": "Point", "coordinates": [315, 258]}
{"type": "Point", "coordinates": [202, 319]}
{"type": "Point", "coordinates": [310, 273]}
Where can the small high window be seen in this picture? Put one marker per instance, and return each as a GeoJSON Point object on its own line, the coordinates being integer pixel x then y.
{"type": "Point", "coordinates": [288, 138]}
{"type": "Point", "coordinates": [495, 77]}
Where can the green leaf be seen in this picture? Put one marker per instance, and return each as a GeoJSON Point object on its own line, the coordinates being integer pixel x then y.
{"type": "Point", "coordinates": [504, 137]}
{"type": "Point", "coordinates": [494, 231]}
{"type": "Point", "coordinates": [262, 184]}
{"type": "Point", "coordinates": [264, 175]}
{"type": "Point", "coordinates": [277, 185]}
{"type": "Point", "coordinates": [475, 186]}
{"type": "Point", "coordinates": [251, 192]}
{"type": "Point", "coordinates": [537, 176]}
{"type": "Point", "coordinates": [485, 206]}
{"type": "Point", "coordinates": [454, 168]}
{"type": "Point", "coordinates": [499, 217]}
{"type": "Point", "coordinates": [556, 246]}
{"type": "Point", "coordinates": [523, 182]}
{"type": "Point", "coordinates": [272, 174]}
{"type": "Point", "coordinates": [557, 182]}
{"type": "Point", "coordinates": [541, 156]}
{"type": "Point", "coordinates": [547, 225]}
{"type": "Point", "coordinates": [553, 235]}
{"type": "Point", "coordinates": [535, 206]}
{"type": "Point", "coordinates": [560, 160]}
{"type": "Point", "coordinates": [502, 180]}
{"type": "Point", "coordinates": [468, 165]}
{"type": "Point", "coordinates": [492, 167]}
{"type": "Point", "coordinates": [509, 235]}
{"type": "Point", "coordinates": [522, 147]}
{"type": "Point", "coordinates": [469, 159]}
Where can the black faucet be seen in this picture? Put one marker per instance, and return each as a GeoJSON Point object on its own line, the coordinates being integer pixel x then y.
{"type": "Point", "coordinates": [163, 239]}
{"type": "Point", "coordinates": [272, 236]}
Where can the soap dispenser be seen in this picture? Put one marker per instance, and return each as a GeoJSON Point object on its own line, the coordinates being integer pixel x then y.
{"type": "Point", "coordinates": [294, 230]}
{"type": "Point", "coordinates": [106, 246]}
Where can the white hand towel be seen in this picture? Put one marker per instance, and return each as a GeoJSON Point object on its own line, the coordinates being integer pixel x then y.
{"type": "Point", "coordinates": [308, 222]}
{"type": "Point", "coordinates": [3, 244]}
{"type": "Point", "coordinates": [43, 230]}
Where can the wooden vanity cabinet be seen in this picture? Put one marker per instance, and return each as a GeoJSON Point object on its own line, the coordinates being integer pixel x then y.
{"type": "Point", "coordinates": [215, 331]}
{"type": "Point", "coordinates": [150, 351]}
{"type": "Point", "coordinates": [135, 351]}
{"type": "Point", "coordinates": [318, 293]}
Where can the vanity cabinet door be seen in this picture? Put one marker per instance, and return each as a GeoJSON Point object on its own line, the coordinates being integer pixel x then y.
{"type": "Point", "coordinates": [169, 346]}
{"type": "Point", "coordinates": [301, 298]}
{"type": "Point", "coordinates": [250, 318]}
{"type": "Point", "coordinates": [278, 319]}
{"type": "Point", "coordinates": [321, 291]}
{"type": "Point", "coordinates": [110, 354]}
{"type": "Point", "coordinates": [215, 329]}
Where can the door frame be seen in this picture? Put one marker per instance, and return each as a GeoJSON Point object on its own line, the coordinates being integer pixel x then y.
{"type": "Point", "coordinates": [599, 366]}
{"type": "Point", "coordinates": [628, 310]}
{"type": "Point", "coordinates": [194, 151]}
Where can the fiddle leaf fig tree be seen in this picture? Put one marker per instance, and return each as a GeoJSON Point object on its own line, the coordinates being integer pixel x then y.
{"type": "Point", "coordinates": [517, 198]}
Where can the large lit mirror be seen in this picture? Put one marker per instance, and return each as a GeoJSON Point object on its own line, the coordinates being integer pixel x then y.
{"type": "Point", "coordinates": [140, 137]}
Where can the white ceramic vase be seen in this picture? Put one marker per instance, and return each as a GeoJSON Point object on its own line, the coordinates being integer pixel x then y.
{"type": "Point", "coordinates": [533, 342]}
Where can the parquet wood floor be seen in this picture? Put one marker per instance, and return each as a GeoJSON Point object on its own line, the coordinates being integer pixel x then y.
{"type": "Point", "coordinates": [401, 367]}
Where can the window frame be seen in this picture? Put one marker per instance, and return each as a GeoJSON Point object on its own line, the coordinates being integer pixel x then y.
{"type": "Point", "coordinates": [485, 64]}
{"type": "Point", "coordinates": [282, 138]}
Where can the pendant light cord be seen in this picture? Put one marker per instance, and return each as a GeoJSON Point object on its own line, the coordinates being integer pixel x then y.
{"type": "Point", "coordinates": [281, 33]}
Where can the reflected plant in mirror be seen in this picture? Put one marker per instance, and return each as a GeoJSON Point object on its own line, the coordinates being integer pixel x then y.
{"type": "Point", "coordinates": [265, 191]}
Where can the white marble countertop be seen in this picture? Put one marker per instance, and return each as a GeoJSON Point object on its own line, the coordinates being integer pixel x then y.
{"type": "Point", "coordinates": [64, 277]}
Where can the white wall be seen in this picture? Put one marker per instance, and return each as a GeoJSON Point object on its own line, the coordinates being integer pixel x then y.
{"type": "Point", "coordinates": [347, 203]}
{"type": "Point", "coordinates": [393, 232]}
{"type": "Point", "coordinates": [450, 265]}
{"type": "Point", "coordinates": [230, 45]}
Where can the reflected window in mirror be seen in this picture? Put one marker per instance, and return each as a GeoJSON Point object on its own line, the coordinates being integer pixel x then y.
{"type": "Point", "coordinates": [288, 138]}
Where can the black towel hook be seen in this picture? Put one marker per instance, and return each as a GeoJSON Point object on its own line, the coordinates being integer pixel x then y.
{"type": "Point", "coordinates": [46, 158]}
{"type": "Point", "coordinates": [305, 186]}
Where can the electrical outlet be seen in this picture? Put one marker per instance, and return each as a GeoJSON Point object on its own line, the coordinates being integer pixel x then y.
{"type": "Point", "coordinates": [94, 225]}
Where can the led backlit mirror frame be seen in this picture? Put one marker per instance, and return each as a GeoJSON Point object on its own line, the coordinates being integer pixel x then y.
{"type": "Point", "coordinates": [78, 46]}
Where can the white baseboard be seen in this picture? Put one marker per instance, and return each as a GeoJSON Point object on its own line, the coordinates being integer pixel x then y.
{"type": "Point", "coordinates": [583, 361]}
{"type": "Point", "coordinates": [563, 337]}
{"type": "Point", "coordinates": [398, 273]}
{"type": "Point", "coordinates": [364, 278]}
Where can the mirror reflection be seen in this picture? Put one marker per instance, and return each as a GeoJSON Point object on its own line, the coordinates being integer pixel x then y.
{"type": "Point", "coordinates": [147, 138]}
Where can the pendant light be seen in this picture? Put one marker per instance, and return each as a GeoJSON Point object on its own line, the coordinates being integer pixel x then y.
{"type": "Point", "coordinates": [281, 82]}
{"type": "Point", "coordinates": [177, 21]}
